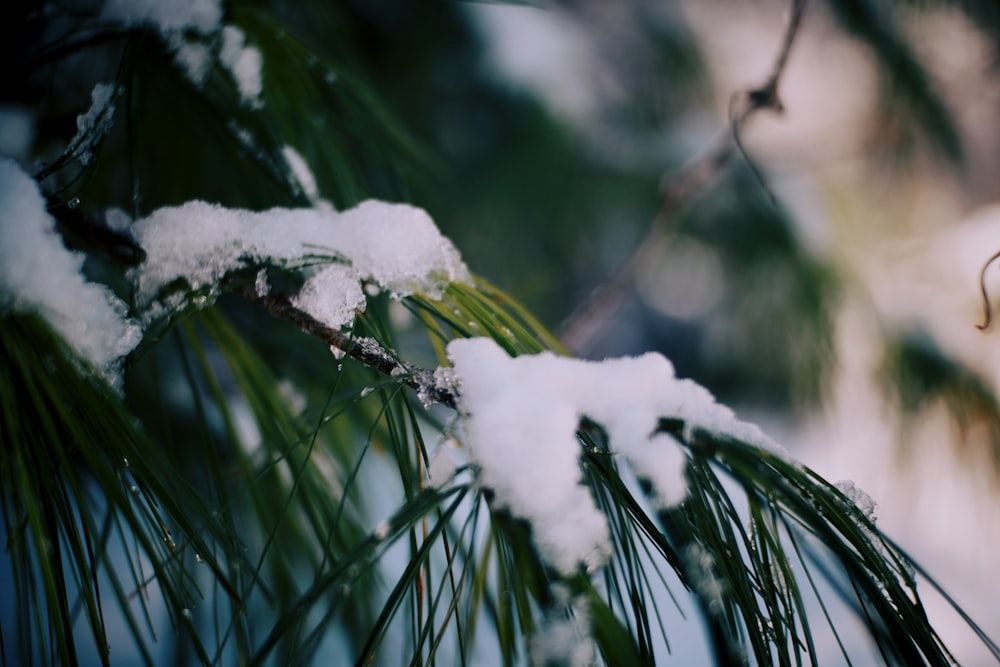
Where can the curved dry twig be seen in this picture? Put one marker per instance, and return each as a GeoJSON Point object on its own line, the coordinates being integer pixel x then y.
{"type": "Point", "coordinates": [987, 308]}
{"type": "Point", "coordinates": [678, 187]}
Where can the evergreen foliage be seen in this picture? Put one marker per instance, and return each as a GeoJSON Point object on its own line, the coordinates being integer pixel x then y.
{"type": "Point", "coordinates": [251, 498]}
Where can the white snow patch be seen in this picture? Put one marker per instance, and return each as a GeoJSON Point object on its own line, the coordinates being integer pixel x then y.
{"type": "Point", "coordinates": [94, 123]}
{"type": "Point", "coordinates": [195, 58]}
{"type": "Point", "coordinates": [701, 570]}
{"type": "Point", "coordinates": [332, 296]}
{"type": "Point", "coordinates": [859, 498]}
{"type": "Point", "coordinates": [244, 63]}
{"type": "Point", "coordinates": [396, 245]}
{"type": "Point", "coordinates": [203, 16]}
{"type": "Point", "coordinates": [521, 418]}
{"type": "Point", "coordinates": [38, 273]}
{"type": "Point", "coordinates": [564, 638]}
{"type": "Point", "coordinates": [261, 286]}
{"type": "Point", "coordinates": [194, 31]}
{"type": "Point", "coordinates": [301, 174]}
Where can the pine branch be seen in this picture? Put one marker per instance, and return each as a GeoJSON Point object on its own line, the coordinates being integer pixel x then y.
{"type": "Point", "coordinates": [366, 351]}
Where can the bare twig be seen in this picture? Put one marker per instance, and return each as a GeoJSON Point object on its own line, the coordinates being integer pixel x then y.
{"type": "Point", "coordinates": [365, 351]}
{"type": "Point", "coordinates": [987, 309]}
{"type": "Point", "coordinates": [770, 88]}
{"type": "Point", "coordinates": [680, 186]}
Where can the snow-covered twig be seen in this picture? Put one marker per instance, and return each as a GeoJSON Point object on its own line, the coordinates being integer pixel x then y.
{"type": "Point", "coordinates": [366, 351]}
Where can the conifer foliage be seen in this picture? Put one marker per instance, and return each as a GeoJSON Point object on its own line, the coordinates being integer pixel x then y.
{"type": "Point", "coordinates": [255, 408]}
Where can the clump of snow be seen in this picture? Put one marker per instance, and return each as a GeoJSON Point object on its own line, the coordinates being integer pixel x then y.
{"type": "Point", "coordinates": [38, 274]}
{"type": "Point", "coordinates": [700, 564]}
{"type": "Point", "coordinates": [94, 123]}
{"type": "Point", "coordinates": [244, 63]}
{"type": "Point", "coordinates": [521, 418]}
{"type": "Point", "coordinates": [203, 16]}
{"type": "Point", "coordinates": [194, 31]}
{"type": "Point", "coordinates": [332, 296]}
{"type": "Point", "coordinates": [302, 176]}
{"type": "Point", "coordinates": [195, 58]}
{"type": "Point", "coordinates": [395, 245]}
{"type": "Point", "coordinates": [859, 498]}
{"type": "Point", "coordinates": [442, 380]}
{"type": "Point", "coordinates": [564, 637]}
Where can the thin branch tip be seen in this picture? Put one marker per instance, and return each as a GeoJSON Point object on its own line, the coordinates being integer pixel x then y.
{"type": "Point", "coordinates": [367, 352]}
{"type": "Point", "coordinates": [987, 307]}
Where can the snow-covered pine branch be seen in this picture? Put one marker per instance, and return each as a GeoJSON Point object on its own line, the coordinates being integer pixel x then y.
{"type": "Point", "coordinates": [521, 414]}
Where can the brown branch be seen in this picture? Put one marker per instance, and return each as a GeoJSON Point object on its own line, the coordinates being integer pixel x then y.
{"type": "Point", "coordinates": [769, 91]}
{"type": "Point", "coordinates": [695, 174]}
{"type": "Point", "coordinates": [365, 351]}
{"type": "Point", "coordinates": [987, 309]}
{"type": "Point", "coordinates": [680, 186]}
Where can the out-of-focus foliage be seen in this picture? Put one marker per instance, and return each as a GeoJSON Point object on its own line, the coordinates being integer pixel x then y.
{"type": "Point", "coordinates": [919, 375]}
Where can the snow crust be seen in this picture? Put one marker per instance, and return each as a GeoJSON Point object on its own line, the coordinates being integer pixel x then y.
{"type": "Point", "coordinates": [301, 175]}
{"type": "Point", "coordinates": [95, 122]}
{"type": "Point", "coordinates": [521, 416]}
{"type": "Point", "coordinates": [203, 16]}
{"type": "Point", "coordinates": [859, 498]}
{"type": "Point", "coordinates": [194, 31]}
{"type": "Point", "coordinates": [244, 63]}
{"type": "Point", "coordinates": [396, 245]}
{"type": "Point", "coordinates": [564, 637]}
{"type": "Point", "coordinates": [38, 274]}
{"type": "Point", "coordinates": [332, 296]}
{"type": "Point", "coordinates": [196, 59]}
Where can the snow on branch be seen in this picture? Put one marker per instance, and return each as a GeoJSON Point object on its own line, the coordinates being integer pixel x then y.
{"type": "Point", "coordinates": [92, 125]}
{"type": "Point", "coordinates": [194, 31]}
{"type": "Point", "coordinates": [522, 415]}
{"type": "Point", "coordinates": [38, 274]}
{"type": "Point", "coordinates": [191, 248]}
{"type": "Point", "coordinates": [429, 386]}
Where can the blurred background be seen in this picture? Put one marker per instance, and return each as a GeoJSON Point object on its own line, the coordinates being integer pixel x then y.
{"type": "Point", "coordinates": [825, 282]}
